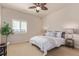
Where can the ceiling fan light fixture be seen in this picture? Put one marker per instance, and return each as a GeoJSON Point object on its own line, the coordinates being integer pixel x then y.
{"type": "Point", "coordinates": [38, 9]}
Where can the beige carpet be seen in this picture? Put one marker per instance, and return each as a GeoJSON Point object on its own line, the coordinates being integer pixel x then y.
{"type": "Point", "coordinates": [63, 51]}
{"type": "Point", "coordinates": [26, 49]}
{"type": "Point", "coordinates": [23, 49]}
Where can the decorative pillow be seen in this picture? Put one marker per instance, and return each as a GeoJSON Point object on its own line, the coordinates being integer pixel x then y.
{"type": "Point", "coordinates": [63, 35]}
{"type": "Point", "coordinates": [50, 33]}
{"type": "Point", "coordinates": [58, 34]}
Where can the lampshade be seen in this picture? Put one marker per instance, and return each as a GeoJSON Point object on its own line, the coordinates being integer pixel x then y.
{"type": "Point", "coordinates": [45, 28]}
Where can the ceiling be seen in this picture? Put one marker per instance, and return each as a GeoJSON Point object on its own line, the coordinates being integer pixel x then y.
{"type": "Point", "coordinates": [52, 7]}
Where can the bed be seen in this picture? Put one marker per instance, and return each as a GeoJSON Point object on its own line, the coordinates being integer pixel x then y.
{"type": "Point", "coordinates": [47, 42]}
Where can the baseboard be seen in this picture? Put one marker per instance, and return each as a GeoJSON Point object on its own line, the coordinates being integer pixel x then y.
{"type": "Point", "coordinates": [19, 42]}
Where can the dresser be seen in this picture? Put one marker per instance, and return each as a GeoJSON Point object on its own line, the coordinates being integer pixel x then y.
{"type": "Point", "coordinates": [76, 43]}
{"type": "Point", "coordinates": [76, 40]}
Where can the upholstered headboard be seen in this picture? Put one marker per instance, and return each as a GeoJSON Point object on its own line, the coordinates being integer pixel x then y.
{"type": "Point", "coordinates": [54, 34]}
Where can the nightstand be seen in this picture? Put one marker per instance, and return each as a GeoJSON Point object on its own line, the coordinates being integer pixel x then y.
{"type": "Point", "coordinates": [69, 42]}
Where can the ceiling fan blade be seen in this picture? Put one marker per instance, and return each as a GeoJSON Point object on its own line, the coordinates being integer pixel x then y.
{"type": "Point", "coordinates": [37, 4]}
{"type": "Point", "coordinates": [43, 3]}
{"type": "Point", "coordinates": [44, 8]}
{"type": "Point", "coordinates": [32, 7]}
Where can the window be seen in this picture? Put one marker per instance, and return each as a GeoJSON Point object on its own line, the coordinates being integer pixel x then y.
{"type": "Point", "coordinates": [23, 26]}
{"type": "Point", "coordinates": [19, 26]}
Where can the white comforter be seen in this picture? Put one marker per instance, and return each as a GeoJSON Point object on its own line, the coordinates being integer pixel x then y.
{"type": "Point", "coordinates": [46, 43]}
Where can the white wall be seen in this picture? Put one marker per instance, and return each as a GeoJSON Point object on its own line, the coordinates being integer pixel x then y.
{"type": "Point", "coordinates": [59, 19]}
{"type": "Point", "coordinates": [0, 23]}
{"type": "Point", "coordinates": [34, 24]}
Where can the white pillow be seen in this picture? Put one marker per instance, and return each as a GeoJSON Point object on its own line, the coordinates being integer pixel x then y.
{"type": "Point", "coordinates": [50, 33]}
{"type": "Point", "coordinates": [59, 34]}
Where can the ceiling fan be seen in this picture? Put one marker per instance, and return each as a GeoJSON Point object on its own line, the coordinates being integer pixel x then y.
{"type": "Point", "coordinates": [39, 6]}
